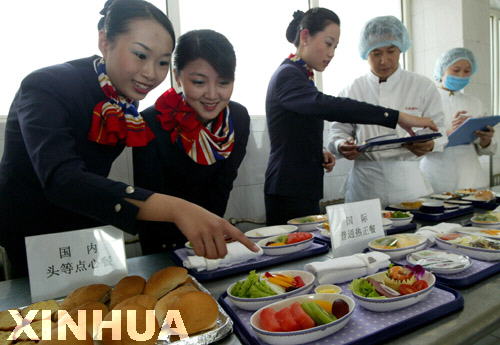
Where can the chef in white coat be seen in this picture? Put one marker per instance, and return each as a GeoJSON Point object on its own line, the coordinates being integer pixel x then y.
{"type": "Point", "coordinates": [392, 175]}
{"type": "Point", "coordinates": [458, 167]}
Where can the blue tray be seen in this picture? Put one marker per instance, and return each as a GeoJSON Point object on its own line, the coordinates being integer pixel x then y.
{"type": "Point", "coordinates": [391, 231]}
{"type": "Point", "coordinates": [317, 247]}
{"type": "Point", "coordinates": [485, 205]}
{"type": "Point", "coordinates": [364, 327]}
{"type": "Point", "coordinates": [436, 217]}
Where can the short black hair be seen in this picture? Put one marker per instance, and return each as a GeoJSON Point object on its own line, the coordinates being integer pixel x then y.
{"type": "Point", "coordinates": [118, 13]}
{"type": "Point", "coordinates": [315, 20]}
{"type": "Point", "coordinates": [208, 45]}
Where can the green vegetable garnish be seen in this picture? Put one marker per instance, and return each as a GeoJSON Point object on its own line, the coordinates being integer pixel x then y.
{"type": "Point", "coordinates": [362, 287]}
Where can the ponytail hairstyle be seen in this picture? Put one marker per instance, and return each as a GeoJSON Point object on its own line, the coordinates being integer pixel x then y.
{"type": "Point", "coordinates": [117, 14]}
{"type": "Point", "coordinates": [208, 45]}
{"type": "Point", "coordinates": [314, 20]}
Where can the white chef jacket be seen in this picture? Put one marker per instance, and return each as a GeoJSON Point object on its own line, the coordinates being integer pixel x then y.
{"type": "Point", "coordinates": [392, 175]}
{"type": "Point", "coordinates": [458, 167]}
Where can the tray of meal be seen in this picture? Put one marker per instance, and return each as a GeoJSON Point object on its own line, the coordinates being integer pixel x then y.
{"type": "Point", "coordinates": [171, 288]}
{"type": "Point", "coordinates": [434, 211]}
{"type": "Point", "coordinates": [451, 267]}
{"type": "Point", "coordinates": [484, 199]}
{"type": "Point", "coordinates": [275, 251]}
{"type": "Point", "coordinates": [365, 311]}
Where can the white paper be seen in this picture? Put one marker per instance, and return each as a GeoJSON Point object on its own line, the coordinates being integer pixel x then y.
{"type": "Point", "coordinates": [353, 225]}
{"type": "Point", "coordinates": [60, 262]}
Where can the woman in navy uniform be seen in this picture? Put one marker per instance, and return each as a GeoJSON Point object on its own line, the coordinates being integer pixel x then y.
{"type": "Point", "coordinates": [295, 111]}
{"type": "Point", "coordinates": [69, 122]}
{"type": "Point", "coordinates": [201, 135]}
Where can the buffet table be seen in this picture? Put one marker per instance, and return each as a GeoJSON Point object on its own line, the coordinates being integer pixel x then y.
{"type": "Point", "coordinates": [480, 316]}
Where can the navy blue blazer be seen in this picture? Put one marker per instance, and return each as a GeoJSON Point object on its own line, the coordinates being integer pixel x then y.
{"type": "Point", "coordinates": [164, 167]}
{"type": "Point", "coordinates": [295, 111]}
{"type": "Point", "coordinates": [52, 178]}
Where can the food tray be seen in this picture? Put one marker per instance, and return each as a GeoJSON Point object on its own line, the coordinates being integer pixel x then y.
{"type": "Point", "coordinates": [391, 231]}
{"type": "Point", "coordinates": [485, 205]}
{"type": "Point", "coordinates": [436, 217]}
{"type": "Point", "coordinates": [479, 270]}
{"type": "Point", "coordinates": [317, 247]}
{"type": "Point", "coordinates": [223, 326]}
{"type": "Point", "coordinates": [365, 327]}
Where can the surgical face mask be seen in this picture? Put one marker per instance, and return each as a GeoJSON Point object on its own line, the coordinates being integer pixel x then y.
{"type": "Point", "coordinates": [455, 83]}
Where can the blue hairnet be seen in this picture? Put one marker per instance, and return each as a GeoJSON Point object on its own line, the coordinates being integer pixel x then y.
{"type": "Point", "coordinates": [382, 32]}
{"type": "Point", "coordinates": [452, 56]}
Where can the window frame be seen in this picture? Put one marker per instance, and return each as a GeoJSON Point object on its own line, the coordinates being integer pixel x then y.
{"type": "Point", "coordinates": [495, 60]}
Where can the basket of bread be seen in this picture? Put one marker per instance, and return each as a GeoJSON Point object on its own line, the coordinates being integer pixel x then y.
{"type": "Point", "coordinates": [170, 306]}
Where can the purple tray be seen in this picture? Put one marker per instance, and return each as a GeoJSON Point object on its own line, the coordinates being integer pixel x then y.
{"type": "Point", "coordinates": [437, 217]}
{"type": "Point", "coordinates": [317, 247]}
{"type": "Point", "coordinates": [365, 327]}
{"type": "Point", "coordinates": [393, 230]}
{"type": "Point", "coordinates": [478, 271]}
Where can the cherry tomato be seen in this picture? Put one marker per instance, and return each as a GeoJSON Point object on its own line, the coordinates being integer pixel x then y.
{"type": "Point", "coordinates": [406, 289]}
{"type": "Point", "coordinates": [420, 285]}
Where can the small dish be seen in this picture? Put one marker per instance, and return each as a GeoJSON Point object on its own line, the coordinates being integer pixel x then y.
{"type": "Point", "coordinates": [399, 220]}
{"type": "Point", "coordinates": [253, 304]}
{"type": "Point", "coordinates": [395, 303]}
{"type": "Point", "coordinates": [308, 223]}
{"type": "Point", "coordinates": [328, 288]}
{"type": "Point", "coordinates": [487, 220]}
{"type": "Point", "coordinates": [398, 245]}
{"type": "Point", "coordinates": [305, 335]}
{"type": "Point", "coordinates": [439, 261]}
{"type": "Point", "coordinates": [268, 231]}
{"type": "Point", "coordinates": [286, 248]}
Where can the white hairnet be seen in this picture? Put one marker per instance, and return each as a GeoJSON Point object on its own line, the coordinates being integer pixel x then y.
{"type": "Point", "coordinates": [450, 57]}
{"type": "Point", "coordinates": [382, 32]}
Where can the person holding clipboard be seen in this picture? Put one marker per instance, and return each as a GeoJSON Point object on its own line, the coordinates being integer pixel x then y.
{"type": "Point", "coordinates": [458, 167]}
{"type": "Point", "coordinates": [391, 175]}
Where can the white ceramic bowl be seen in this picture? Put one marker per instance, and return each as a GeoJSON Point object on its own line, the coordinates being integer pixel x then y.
{"type": "Point", "coordinates": [269, 231]}
{"type": "Point", "coordinates": [485, 224]}
{"type": "Point", "coordinates": [387, 223]}
{"type": "Point", "coordinates": [398, 253]}
{"type": "Point", "coordinates": [285, 249]}
{"type": "Point", "coordinates": [308, 223]}
{"type": "Point", "coordinates": [401, 221]}
{"type": "Point", "coordinates": [305, 335]}
{"type": "Point", "coordinates": [475, 253]}
{"type": "Point", "coordinates": [324, 288]}
{"type": "Point", "coordinates": [395, 303]}
{"type": "Point", "coordinates": [253, 304]}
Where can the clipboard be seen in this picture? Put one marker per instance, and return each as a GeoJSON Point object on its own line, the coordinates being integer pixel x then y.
{"type": "Point", "coordinates": [464, 134]}
{"type": "Point", "coordinates": [374, 144]}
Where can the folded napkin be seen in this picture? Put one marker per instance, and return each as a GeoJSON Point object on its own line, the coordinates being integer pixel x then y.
{"type": "Point", "coordinates": [236, 253]}
{"type": "Point", "coordinates": [435, 230]}
{"type": "Point", "coordinates": [347, 268]}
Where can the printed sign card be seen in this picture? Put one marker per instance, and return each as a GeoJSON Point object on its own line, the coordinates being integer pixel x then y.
{"type": "Point", "coordinates": [61, 262]}
{"type": "Point", "coordinates": [353, 225]}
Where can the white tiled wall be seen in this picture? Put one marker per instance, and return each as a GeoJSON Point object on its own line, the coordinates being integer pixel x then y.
{"type": "Point", "coordinates": [436, 25]}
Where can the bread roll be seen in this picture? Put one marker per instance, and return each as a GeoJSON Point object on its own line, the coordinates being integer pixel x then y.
{"type": "Point", "coordinates": [37, 328]}
{"type": "Point", "coordinates": [146, 301]}
{"type": "Point", "coordinates": [51, 305]}
{"type": "Point", "coordinates": [7, 322]}
{"type": "Point", "coordinates": [165, 280]}
{"type": "Point", "coordinates": [70, 339]}
{"type": "Point", "coordinates": [88, 293]}
{"type": "Point", "coordinates": [3, 338]}
{"type": "Point", "coordinates": [127, 287]}
{"type": "Point", "coordinates": [140, 328]}
{"type": "Point", "coordinates": [198, 310]}
{"type": "Point", "coordinates": [89, 308]}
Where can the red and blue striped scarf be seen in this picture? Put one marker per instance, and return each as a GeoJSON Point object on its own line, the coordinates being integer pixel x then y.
{"type": "Point", "coordinates": [298, 60]}
{"type": "Point", "coordinates": [204, 144]}
{"type": "Point", "coordinates": [116, 119]}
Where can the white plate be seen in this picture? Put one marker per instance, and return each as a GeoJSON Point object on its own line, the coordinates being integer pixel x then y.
{"type": "Point", "coordinates": [441, 196]}
{"type": "Point", "coordinates": [474, 198]}
{"type": "Point", "coordinates": [305, 335]}
{"type": "Point", "coordinates": [308, 223]}
{"type": "Point", "coordinates": [472, 252]}
{"type": "Point", "coordinates": [395, 303]}
{"type": "Point", "coordinates": [253, 304]}
{"type": "Point", "coordinates": [459, 202]}
{"type": "Point", "coordinates": [285, 249]}
{"type": "Point", "coordinates": [485, 223]}
{"type": "Point", "coordinates": [439, 261]}
{"type": "Point", "coordinates": [400, 252]}
{"type": "Point", "coordinates": [478, 231]}
{"type": "Point", "coordinates": [269, 231]}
